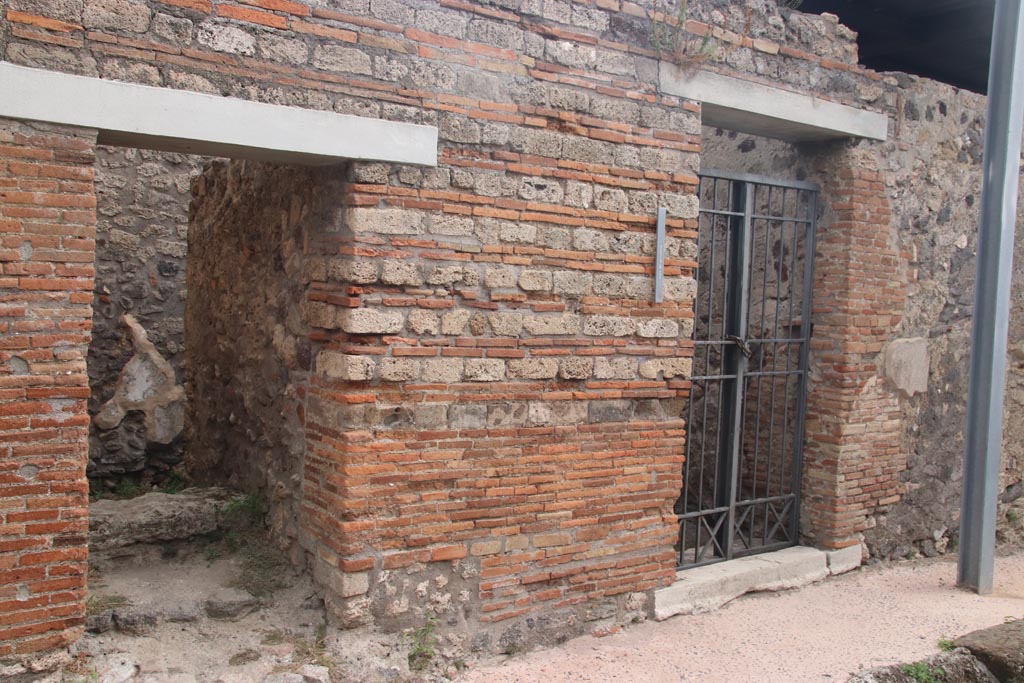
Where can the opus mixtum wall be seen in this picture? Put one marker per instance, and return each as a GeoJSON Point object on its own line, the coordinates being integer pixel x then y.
{"type": "Point", "coordinates": [429, 267]}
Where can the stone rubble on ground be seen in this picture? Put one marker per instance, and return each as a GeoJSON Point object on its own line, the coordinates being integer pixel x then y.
{"type": "Point", "coordinates": [230, 604]}
{"type": "Point", "coordinates": [1000, 648]}
{"type": "Point", "coordinates": [957, 666]}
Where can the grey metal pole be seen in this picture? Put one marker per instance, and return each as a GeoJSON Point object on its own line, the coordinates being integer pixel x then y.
{"type": "Point", "coordinates": [984, 435]}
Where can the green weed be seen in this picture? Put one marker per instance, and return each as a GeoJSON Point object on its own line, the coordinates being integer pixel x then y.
{"type": "Point", "coordinates": [128, 488]}
{"type": "Point", "coordinates": [922, 673]}
{"type": "Point", "coordinates": [671, 41]}
{"type": "Point", "coordinates": [245, 512]}
{"type": "Point", "coordinates": [91, 676]}
{"type": "Point", "coordinates": [123, 489]}
{"type": "Point", "coordinates": [423, 641]}
{"type": "Point", "coordinates": [946, 645]}
{"type": "Point", "coordinates": [666, 38]}
{"type": "Point", "coordinates": [173, 483]}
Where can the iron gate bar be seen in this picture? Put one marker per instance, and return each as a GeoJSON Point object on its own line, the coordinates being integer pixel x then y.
{"type": "Point", "coordinates": [740, 504]}
{"type": "Point", "coordinates": [775, 355]}
{"type": "Point", "coordinates": [777, 373]}
{"type": "Point", "coordinates": [758, 179]}
{"type": "Point", "coordinates": [735, 325]}
{"type": "Point", "coordinates": [752, 501]}
{"type": "Point", "coordinates": [789, 317]}
{"type": "Point", "coordinates": [760, 368]}
{"type": "Point", "coordinates": [755, 216]}
{"type": "Point", "coordinates": [810, 249]}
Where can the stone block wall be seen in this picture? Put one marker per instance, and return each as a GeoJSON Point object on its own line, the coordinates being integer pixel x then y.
{"type": "Point", "coordinates": [142, 206]}
{"type": "Point", "coordinates": [933, 175]}
{"type": "Point", "coordinates": [496, 395]}
{"type": "Point", "coordinates": [250, 355]}
{"type": "Point", "coordinates": [47, 240]}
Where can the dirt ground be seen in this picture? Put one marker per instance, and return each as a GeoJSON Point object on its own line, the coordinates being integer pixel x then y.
{"type": "Point", "coordinates": [825, 632]}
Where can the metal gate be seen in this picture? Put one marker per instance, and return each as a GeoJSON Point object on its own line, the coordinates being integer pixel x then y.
{"type": "Point", "coordinates": [741, 477]}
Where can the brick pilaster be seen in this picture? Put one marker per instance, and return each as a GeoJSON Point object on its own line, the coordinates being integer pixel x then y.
{"type": "Point", "coordinates": [47, 230]}
{"type": "Point", "coordinates": [853, 458]}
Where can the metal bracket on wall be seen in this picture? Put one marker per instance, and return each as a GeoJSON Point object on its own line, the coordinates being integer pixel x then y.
{"type": "Point", "coordinates": [659, 258]}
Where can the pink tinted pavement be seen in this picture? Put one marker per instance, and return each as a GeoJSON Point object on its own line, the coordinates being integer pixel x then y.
{"type": "Point", "coordinates": [824, 632]}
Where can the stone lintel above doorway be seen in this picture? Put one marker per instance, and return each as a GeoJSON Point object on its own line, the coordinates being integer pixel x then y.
{"type": "Point", "coordinates": [758, 109]}
{"type": "Point", "coordinates": [132, 115]}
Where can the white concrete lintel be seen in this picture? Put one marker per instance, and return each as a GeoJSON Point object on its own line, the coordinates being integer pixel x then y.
{"type": "Point", "coordinates": [135, 115]}
{"type": "Point", "coordinates": [747, 107]}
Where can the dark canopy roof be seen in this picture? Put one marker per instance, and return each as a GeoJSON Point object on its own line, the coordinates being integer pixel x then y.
{"type": "Point", "coordinates": [947, 40]}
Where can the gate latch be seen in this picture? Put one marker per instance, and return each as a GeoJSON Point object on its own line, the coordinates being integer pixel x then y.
{"type": "Point", "coordinates": [742, 343]}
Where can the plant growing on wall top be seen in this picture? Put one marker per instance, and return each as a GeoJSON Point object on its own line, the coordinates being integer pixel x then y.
{"type": "Point", "coordinates": [666, 35]}
{"type": "Point", "coordinates": [670, 39]}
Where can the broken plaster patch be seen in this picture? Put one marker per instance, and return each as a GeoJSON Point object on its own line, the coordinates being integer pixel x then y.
{"type": "Point", "coordinates": [28, 472]}
{"type": "Point", "coordinates": [147, 383]}
{"type": "Point", "coordinates": [19, 366]}
{"type": "Point", "coordinates": [906, 365]}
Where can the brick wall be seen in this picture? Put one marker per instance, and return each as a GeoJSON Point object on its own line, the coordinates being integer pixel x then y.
{"type": "Point", "coordinates": [493, 403]}
{"type": "Point", "coordinates": [47, 229]}
{"type": "Point", "coordinates": [853, 457]}
{"type": "Point", "coordinates": [510, 341]}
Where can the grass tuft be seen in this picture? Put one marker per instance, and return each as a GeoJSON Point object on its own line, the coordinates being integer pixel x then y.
{"type": "Point", "coordinates": [922, 673]}
{"type": "Point", "coordinates": [98, 604]}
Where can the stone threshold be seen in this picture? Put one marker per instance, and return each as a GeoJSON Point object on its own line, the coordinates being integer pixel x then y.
{"type": "Point", "coordinates": [705, 589]}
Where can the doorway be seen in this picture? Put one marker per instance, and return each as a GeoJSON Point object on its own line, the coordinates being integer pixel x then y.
{"type": "Point", "coordinates": [745, 419]}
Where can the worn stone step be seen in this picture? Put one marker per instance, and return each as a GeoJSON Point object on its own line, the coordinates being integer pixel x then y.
{"type": "Point", "coordinates": [226, 604]}
{"type": "Point", "coordinates": [156, 517]}
{"type": "Point", "coordinates": [704, 589]}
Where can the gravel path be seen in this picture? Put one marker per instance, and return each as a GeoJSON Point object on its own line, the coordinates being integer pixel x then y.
{"type": "Point", "coordinates": [825, 632]}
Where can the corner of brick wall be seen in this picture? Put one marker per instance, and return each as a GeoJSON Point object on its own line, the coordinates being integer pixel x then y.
{"type": "Point", "coordinates": [493, 422]}
{"type": "Point", "coordinates": [257, 236]}
{"type": "Point", "coordinates": [853, 458]}
{"type": "Point", "coordinates": [47, 228]}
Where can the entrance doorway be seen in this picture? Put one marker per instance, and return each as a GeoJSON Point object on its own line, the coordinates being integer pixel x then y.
{"type": "Point", "coordinates": [742, 473]}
